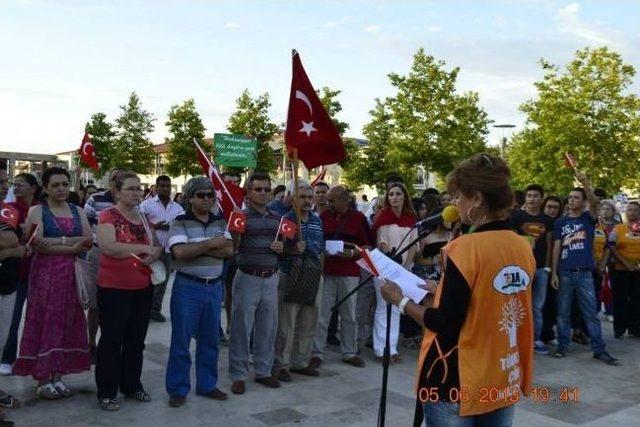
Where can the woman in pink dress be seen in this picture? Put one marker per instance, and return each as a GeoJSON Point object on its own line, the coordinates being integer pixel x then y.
{"type": "Point", "coordinates": [54, 341]}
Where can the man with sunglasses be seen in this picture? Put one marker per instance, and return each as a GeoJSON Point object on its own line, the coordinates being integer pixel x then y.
{"type": "Point", "coordinates": [255, 288]}
{"type": "Point", "coordinates": [199, 243]}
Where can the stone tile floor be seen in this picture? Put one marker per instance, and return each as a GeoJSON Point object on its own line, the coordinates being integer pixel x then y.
{"type": "Point", "coordinates": [342, 395]}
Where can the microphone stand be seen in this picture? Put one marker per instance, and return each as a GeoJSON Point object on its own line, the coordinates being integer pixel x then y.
{"type": "Point", "coordinates": [382, 409]}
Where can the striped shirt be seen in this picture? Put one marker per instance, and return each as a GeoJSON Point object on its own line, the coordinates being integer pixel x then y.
{"type": "Point", "coordinates": [96, 204]}
{"type": "Point", "coordinates": [186, 228]}
{"type": "Point", "coordinates": [312, 235]}
{"type": "Point", "coordinates": [260, 232]}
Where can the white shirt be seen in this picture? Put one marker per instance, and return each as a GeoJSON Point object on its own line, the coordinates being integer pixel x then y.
{"type": "Point", "coordinates": [157, 212]}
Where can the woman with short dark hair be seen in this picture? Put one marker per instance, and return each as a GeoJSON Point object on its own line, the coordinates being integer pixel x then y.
{"type": "Point", "coordinates": [54, 340]}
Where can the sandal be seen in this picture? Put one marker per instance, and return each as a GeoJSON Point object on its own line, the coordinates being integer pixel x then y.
{"type": "Point", "coordinates": [140, 396]}
{"type": "Point", "coordinates": [8, 401]}
{"type": "Point", "coordinates": [47, 392]}
{"type": "Point", "coordinates": [63, 389]}
{"type": "Point", "coordinates": [109, 404]}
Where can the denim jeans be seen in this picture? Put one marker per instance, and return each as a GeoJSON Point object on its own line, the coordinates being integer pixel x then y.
{"type": "Point", "coordinates": [580, 283]}
{"type": "Point", "coordinates": [195, 313]}
{"type": "Point", "coordinates": [539, 294]}
{"type": "Point", "coordinates": [10, 352]}
{"type": "Point", "coordinates": [447, 414]}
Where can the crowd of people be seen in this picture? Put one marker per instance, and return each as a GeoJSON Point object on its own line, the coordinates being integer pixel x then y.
{"type": "Point", "coordinates": [285, 298]}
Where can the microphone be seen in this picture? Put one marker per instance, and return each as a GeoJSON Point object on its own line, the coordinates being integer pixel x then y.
{"type": "Point", "coordinates": [448, 214]}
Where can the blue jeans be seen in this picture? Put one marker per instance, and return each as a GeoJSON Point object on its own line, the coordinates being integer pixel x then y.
{"type": "Point", "coordinates": [195, 313]}
{"type": "Point", "coordinates": [447, 414]}
{"type": "Point", "coordinates": [539, 294]}
{"type": "Point", "coordinates": [10, 351]}
{"type": "Point", "coordinates": [580, 283]}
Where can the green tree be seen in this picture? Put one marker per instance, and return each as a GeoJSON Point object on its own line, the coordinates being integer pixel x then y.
{"type": "Point", "coordinates": [102, 136]}
{"type": "Point", "coordinates": [251, 119]}
{"type": "Point", "coordinates": [184, 125]}
{"type": "Point", "coordinates": [427, 123]}
{"type": "Point", "coordinates": [132, 148]}
{"type": "Point", "coordinates": [585, 110]}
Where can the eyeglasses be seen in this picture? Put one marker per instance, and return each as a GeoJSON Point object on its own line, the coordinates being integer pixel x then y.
{"type": "Point", "coordinates": [202, 196]}
{"type": "Point", "coordinates": [261, 189]}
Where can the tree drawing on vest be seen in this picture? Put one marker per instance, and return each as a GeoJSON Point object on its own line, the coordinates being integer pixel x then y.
{"type": "Point", "coordinates": [512, 316]}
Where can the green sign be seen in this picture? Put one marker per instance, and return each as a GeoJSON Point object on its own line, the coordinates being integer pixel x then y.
{"type": "Point", "coordinates": [235, 150]}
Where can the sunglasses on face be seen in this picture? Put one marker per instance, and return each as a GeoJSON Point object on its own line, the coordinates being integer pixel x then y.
{"type": "Point", "coordinates": [202, 196]}
{"type": "Point", "coordinates": [261, 189]}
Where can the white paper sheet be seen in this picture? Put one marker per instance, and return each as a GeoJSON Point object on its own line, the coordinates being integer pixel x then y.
{"type": "Point", "coordinates": [333, 246]}
{"type": "Point", "coordinates": [394, 272]}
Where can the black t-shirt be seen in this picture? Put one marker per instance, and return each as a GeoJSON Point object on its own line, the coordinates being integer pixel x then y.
{"type": "Point", "coordinates": [9, 269]}
{"type": "Point", "coordinates": [535, 226]}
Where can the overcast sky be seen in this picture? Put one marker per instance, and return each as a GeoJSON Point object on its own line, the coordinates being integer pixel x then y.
{"type": "Point", "coordinates": [64, 60]}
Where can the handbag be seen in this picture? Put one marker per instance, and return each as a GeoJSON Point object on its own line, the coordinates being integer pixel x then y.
{"type": "Point", "coordinates": [302, 283]}
{"type": "Point", "coordinates": [84, 275]}
{"type": "Point", "coordinates": [158, 270]}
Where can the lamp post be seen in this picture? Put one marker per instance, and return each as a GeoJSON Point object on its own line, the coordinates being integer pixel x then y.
{"type": "Point", "coordinates": [504, 130]}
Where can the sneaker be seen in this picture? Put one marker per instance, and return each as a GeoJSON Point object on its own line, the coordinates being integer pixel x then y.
{"type": "Point", "coordinates": [606, 358]}
{"type": "Point", "coordinates": [560, 353]}
{"type": "Point", "coordinates": [5, 369]}
{"type": "Point", "coordinates": [540, 348]}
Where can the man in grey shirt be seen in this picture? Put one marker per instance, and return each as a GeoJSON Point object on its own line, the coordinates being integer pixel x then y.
{"type": "Point", "coordinates": [199, 243]}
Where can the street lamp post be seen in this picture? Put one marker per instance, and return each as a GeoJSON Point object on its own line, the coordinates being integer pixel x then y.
{"type": "Point", "coordinates": [504, 129]}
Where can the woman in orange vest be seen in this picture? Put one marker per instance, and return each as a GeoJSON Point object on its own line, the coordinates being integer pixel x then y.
{"type": "Point", "coordinates": [624, 243]}
{"type": "Point", "coordinates": [476, 357]}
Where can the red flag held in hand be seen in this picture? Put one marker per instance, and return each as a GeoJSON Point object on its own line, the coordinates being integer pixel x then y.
{"type": "Point", "coordinates": [320, 177]}
{"type": "Point", "coordinates": [88, 153]}
{"type": "Point", "coordinates": [8, 215]}
{"type": "Point", "coordinates": [237, 222]}
{"type": "Point", "coordinates": [288, 228]}
{"type": "Point", "coordinates": [570, 161]}
{"type": "Point", "coordinates": [310, 130]}
{"type": "Point", "coordinates": [229, 194]}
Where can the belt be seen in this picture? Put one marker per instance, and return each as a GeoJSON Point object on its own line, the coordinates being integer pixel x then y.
{"type": "Point", "coordinates": [198, 279]}
{"type": "Point", "coordinates": [576, 270]}
{"type": "Point", "coordinates": [258, 271]}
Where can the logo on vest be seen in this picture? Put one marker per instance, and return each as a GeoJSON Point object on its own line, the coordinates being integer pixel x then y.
{"type": "Point", "coordinates": [511, 280]}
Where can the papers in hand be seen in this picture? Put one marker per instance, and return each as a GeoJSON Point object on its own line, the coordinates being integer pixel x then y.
{"type": "Point", "coordinates": [333, 247]}
{"type": "Point", "coordinates": [380, 265]}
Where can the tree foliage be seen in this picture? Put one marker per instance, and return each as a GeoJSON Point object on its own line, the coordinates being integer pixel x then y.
{"type": "Point", "coordinates": [184, 125]}
{"type": "Point", "coordinates": [585, 110]}
{"type": "Point", "coordinates": [102, 136]}
{"type": "Point", "coordinates": [251, 119]}
{"type": "Point", "coordinates": [427, 123]}
{"type": "Point", "coordinates": [132, 148]}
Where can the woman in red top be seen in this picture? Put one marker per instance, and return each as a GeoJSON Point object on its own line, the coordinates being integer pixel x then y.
{"type": "Point", "coordinates": [393, 228]}
{"type": "Point", "coordinates": [124, 294]}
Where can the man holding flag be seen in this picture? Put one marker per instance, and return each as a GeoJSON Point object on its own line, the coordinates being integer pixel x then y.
{"type": "Point", "coordinates": [255, 288]}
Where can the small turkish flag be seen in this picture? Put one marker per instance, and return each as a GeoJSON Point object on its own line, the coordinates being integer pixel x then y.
{"type": "Point", "coordinates": [88, 153]}
{"type": "Point", "coordinates": [309, 127]}
{"type": "Point", "coordinates": [237, 222]}
{"type": "Point", "coordinates": [570, 161]}
{"type": "Point", "coordinates": [288, 228]}
{"type": "Point", "coordinates": [8, 215]}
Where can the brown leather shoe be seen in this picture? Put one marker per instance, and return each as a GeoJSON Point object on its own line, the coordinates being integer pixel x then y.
{"type": "Point", "coordinates": [355, 361]}
{"type": "Point", "coordinates": [310, 372]}
{"type": "Point", "coordinates": [176, 401]}
{"type": "Point", "coordinates": [215, 394]}
{"type": "Point", "coordinates": [270, 382]}
{"type": "Point", "coordinates": [315, 362]}
{"type": "Point", "coordinates": [237, 387]}
{"type": "Point", "coordinates": [283, 375]}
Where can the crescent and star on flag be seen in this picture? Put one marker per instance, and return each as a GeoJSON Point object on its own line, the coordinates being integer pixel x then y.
{"type": "Point", "coordinates": [307, 127]}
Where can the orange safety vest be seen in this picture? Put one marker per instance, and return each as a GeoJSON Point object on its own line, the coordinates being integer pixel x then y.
{"type": "Point", "coordinates": [495, 348]}
{"type": "Point", "coordinates": [627, 245]}
{"type": "Point", "coordinates": [599, 241]}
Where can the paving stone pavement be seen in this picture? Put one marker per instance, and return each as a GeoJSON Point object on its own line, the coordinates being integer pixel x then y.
{"type": "Point", "coordinates": [342, 395]}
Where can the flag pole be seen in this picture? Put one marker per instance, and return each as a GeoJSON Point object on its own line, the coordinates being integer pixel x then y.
{"type": "Point", "coordinates": [296, 197]}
